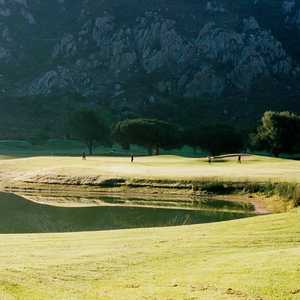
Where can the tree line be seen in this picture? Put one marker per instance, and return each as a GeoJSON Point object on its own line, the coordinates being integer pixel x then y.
{"type": "Point", "coordinates": [277, 132]}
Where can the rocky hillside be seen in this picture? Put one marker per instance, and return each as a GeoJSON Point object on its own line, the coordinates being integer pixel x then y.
{"type": "Point", "coordinates": [130, 54]}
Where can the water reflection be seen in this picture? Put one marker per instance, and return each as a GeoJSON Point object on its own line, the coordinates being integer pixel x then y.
{"type": "Point", "coordinates": [19, 215]}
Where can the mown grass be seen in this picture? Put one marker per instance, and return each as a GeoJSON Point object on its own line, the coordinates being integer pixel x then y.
{"type": "Point", "coordinates": [254, 258]}
{"type": "Point", "coordinates": [161, 168]}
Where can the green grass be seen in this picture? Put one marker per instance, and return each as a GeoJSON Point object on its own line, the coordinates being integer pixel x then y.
{"type": "Point", "coordinates": [64, 157]}
{"type": "Point", "coordinates": [254, 168]}
{"type": "Point", "coordinates": [23, 148]}
{"type": "Point", "coordinates": [255, 258]}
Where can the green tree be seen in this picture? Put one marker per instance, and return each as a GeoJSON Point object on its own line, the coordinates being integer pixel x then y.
{"type": "Point", "coordinates": [149, 133]}
{"type": "Point", "coordinates": [89, 128]}
{"type": "Point", "coordinates": [216, 139]}
{"type": "Point", "coordinates": [279, 132]}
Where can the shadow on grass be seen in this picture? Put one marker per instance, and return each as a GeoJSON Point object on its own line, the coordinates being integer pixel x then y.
{"type": "Point", "coordinates": [18, 215]}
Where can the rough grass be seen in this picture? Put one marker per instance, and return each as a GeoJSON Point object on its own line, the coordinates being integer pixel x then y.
{"type": "Point", "coordinates": [255, 258]}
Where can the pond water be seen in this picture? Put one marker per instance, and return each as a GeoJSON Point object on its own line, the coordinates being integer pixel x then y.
{"type": "Point", "coordinates": [19, 215]}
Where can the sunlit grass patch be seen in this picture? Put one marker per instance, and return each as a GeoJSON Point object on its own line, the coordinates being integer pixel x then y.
{"type": "Point", "coordinates": [254, 258]}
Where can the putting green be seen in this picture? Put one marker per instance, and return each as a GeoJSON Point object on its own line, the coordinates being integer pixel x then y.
{"type": "Point", "coordinates": [254, 168]}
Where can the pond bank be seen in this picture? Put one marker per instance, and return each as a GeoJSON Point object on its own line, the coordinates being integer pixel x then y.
{"type": "Point", "coordinates": [271, 184]}
{"type": "Point", "coordinates": [266, 197]}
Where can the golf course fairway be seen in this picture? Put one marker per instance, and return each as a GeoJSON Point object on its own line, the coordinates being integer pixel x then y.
{"type": "Point", "coordinates": [255, 258]}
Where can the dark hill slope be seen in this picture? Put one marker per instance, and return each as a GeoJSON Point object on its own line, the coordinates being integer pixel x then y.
{"type": "Point", "coordinates": [147, 57]}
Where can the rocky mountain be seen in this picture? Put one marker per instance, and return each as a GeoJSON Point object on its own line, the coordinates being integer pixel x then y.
{"type": "Point", "coordinates": [132, 54]}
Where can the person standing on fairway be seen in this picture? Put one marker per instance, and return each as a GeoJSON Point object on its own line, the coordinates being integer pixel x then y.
{"type": "Point", "coordinates": [132, 158]}
{"type": "Point", "coordinates": [83, 156]}
{"type": "Point", "coordinates": [240, 159]}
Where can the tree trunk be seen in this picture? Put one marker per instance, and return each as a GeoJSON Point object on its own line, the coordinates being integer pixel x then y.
{"type": "Point", "coordinates": [157, 150]}
{"type": "Point", "coordinates": [90, 146]}
{"type": "Point", "coordinates": [275, 152]}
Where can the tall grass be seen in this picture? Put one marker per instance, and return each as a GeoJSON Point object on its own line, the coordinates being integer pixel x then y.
{"type": "Point", "coordinates": [285, 190]}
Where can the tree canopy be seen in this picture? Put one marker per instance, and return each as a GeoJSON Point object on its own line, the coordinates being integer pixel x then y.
{"type": "Point", "coordinates": [88, 127]}
{"type": "Point", "coordinates": [215, 139]}
{"type": "Point", "coordinates": [149, 133]}
{"type": "Point", "coordinates": [279, 132]}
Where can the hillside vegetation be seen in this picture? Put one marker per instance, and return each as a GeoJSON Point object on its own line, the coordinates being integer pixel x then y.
{"type": "Point", "coordinates": [184, 61]}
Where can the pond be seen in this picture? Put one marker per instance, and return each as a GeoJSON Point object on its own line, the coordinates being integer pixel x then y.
{"type": "Point", "coordinates": [19, 215]}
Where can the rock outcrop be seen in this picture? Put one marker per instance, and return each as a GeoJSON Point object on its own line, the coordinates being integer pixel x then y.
{"type": "Point", "coordinates": [112, 49]}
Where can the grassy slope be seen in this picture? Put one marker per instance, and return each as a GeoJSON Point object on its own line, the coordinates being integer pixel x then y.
{"type": "Point", "coordinates": [255, 258]}
{"type": "Point", "coordinates": [163, 167]}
